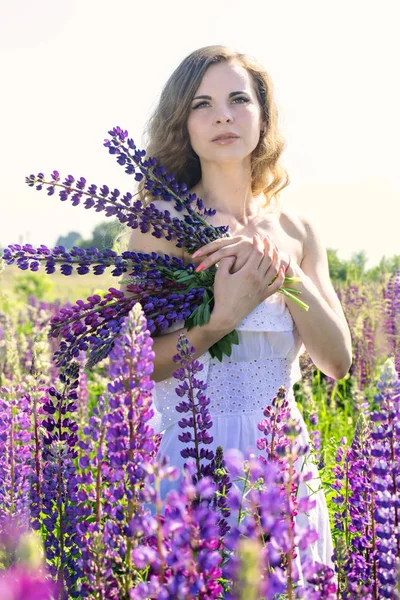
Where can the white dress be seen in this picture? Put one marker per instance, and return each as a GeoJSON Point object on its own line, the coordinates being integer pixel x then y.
{"type": "Point", "coordinates": [240, 387]}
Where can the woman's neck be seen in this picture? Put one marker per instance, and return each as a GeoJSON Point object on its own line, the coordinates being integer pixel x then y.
{"type": "Point", "coordinates": [227, 189]}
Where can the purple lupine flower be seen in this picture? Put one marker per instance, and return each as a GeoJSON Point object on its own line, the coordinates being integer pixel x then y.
{"type": "Point", "coordinates": [276, 416]}
{"type": "Point", "coordinates": [126, 467]}
{"type": "Point", "coordinates": [23, 574]}
{"type": "Point", "coordinates": [98, 322]}
{"type": "Point", "coordinates": [367, 499]}
{"type": "Point", "coordinates": [123, 443]}
{"type": "Point", "coordinates": [386, 470]}
{"type": "Point", "coordinates": [151, 264]}
{"type": "Point", "coordinates": [15, 454]}
{"type": "Point", "coordinates": [268, 521]}
{"type": "Point", "coordinates": [199, 422]}
{"type": "Point", "coordinates": [95, 563]}
{"type": "Point", "coordinates": [193, 387]}
{"type": "Point", "coordinates": [190, 539]}
{"type": "Point", "coordinates": [191, 232]}
{"type": "Point", "coordinates": [391, 308]}
{"type": "Point", "coordinates": [21, 583]}
{"type": "Point", "coordinates": [60, 484]}
{"type": "Point", "coordinates": [355, 546]}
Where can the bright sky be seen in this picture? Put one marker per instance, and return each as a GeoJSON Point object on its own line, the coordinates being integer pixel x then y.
{"type": "Point", "coordinates": [73, 69]}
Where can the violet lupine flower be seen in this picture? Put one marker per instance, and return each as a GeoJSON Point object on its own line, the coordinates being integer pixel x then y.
{"type": "Point", "coordinates": [22, 583]}
{"type": "Point", "coordinates": [276, 416]}
{"type": "Point", "coordinates": [94, 562]}
{"type": "Point", "coordinates": [159, 182]}
{"type": "Point", "coordinates": [60, 484]}
{"type": "Point", "coordinates": [268, 521]}
{"type": "Point", "coordinates": [98, 322]}
{"type": "Point", "coordinates": [355, 544]}
{"type": "Point", "coordinates": [23, 575]}
{"type": "Point", "coordinates": [386, 479]}
{"type": "Point", "coordinates": [15, 454]}
{"type": "Point", "coordinates": [199, 422]}
{"type": "Point", "coordinates": [190, 540]}
{"type": "Point", "coordinates": [127, 444]}
{"type": "Point", "coordinates": [191, 232]}
{"type": "Point", "coordinates": [199, 419]}
{"type": "Point", "coordinates": [367, 477]}
{"type": "Point", "coordinates": [83, 260]}
{"type": "Point", "coordinates": [127, 476]}
{"type": "Point", "coordinates": [391, 308]}
{"type": "Point", "coordinates": [321, 577]}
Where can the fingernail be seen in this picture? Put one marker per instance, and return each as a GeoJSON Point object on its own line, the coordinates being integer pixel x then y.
{"type": "Point", "coordinates": [200, 267]}
{"type": "Point", "coordinates": [195, 253]}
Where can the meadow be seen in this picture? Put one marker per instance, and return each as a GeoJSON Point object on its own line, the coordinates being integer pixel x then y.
{"type": "Point", "coordinates": [77, 465]}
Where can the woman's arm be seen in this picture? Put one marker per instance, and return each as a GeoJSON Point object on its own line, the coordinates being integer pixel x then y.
{"type": "Point", "coordinates": [323, 328]}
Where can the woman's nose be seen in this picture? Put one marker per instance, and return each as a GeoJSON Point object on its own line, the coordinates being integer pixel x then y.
{"type": "Point", "coordinates": [224, 117]}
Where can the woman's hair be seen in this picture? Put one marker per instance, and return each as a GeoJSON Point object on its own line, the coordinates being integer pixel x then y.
{"type": "Point", "coordinates": [168, 137]}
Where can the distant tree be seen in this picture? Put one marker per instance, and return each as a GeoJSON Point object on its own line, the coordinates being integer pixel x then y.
{"type": "Point", "coordinates": [386, 266]}
{"type": "Point", "coordinates": [33, 284]}
{"type": "Point", "coordinates": [337, 268]}
{"type": "Point", "coordinates": [71, 239]}
{"type": "Point", "coordinates": [356, 268]}
{"type": "Point", "coordinates": [103, 235]}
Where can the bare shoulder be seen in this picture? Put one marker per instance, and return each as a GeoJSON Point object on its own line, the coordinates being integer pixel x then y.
{"type": "Point", "coordinates": [164, 205]}
{"type": "Point", "coordinates": [146, 242]}
{"type": "Point", "coordinates": [304, 228]}
{"type": "Point", "coordinates": [294, 221]}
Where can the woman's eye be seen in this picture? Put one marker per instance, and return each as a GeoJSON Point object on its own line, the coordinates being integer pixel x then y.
{"type": "Point", "coordinates": [200, 104]}
{"type": "Point", "coordinates": [204, 102]}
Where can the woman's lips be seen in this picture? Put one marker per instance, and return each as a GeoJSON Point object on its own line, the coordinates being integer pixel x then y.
{"type": "Point", "coordinates": [226, 140]}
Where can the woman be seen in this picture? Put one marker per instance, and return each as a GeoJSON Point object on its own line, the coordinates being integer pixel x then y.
{"type": "Point", "coordinates": [215, 128]}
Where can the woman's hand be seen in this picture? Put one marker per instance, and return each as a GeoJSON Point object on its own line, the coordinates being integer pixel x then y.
{"type": "Point", "coordinates": [238, 246]}
{"type": "Point", "coordinates": [237, 294]}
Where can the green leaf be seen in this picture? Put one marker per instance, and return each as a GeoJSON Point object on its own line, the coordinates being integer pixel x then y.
{"type": "Point", "coordinates": [226, 346]}
{"type": "Point", "coordinates": [234, 337]}
{"type": "Point", "coordinates": [195, 317]}
{"type": "Point", "coordinates": [215, 351]}
{"type": "Point", "coordinates": [189, 325]}
{"type": "Point", "coordinates": [200, 312]}
{"type": "Point", "coordinates": [207, 313]}
{"type": "Point", "coordinates": [183, 278]}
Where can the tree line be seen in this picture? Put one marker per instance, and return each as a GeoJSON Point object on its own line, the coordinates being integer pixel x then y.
{"type": "Point", "coordinates": [107, 234]}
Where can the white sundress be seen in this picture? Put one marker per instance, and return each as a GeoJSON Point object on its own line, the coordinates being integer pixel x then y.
{"type": "Point", "coordinates": [240, 387]}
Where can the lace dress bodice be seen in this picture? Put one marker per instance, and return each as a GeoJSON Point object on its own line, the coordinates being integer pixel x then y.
{"type": "Point", "coordinates": [244, 383]}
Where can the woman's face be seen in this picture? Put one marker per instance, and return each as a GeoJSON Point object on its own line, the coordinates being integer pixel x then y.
{"type": "Point", "coordinates": [230, 106]}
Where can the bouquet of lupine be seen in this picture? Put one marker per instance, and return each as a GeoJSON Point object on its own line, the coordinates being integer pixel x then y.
{"type": "Point", "coordinates": [167, 289]}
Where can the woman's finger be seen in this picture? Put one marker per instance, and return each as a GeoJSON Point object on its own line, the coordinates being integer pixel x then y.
{"type": "Point", "coordinates": [270, 264]}
{"type": "Point", "coordinates": [278, 283]}
{"type": "Point", "coordinates": [212, 259]}
{"type": "Point", "coordinates": [256, 255]}
{"type": "Point", "coordinates": [213, 247]}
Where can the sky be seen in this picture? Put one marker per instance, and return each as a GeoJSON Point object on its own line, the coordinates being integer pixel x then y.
{"type": "Point", "coordinates": [73, 70]}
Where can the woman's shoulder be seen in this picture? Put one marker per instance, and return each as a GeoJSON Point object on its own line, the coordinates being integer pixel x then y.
{"type": "Point", "coordinates": [168, 205]}
{"type": "Point", "coordinates": [295, 227]}
{"type": "Point", "coordinates": [300, 223]}
{"type": "Point", "coordinates": [292, 217]}
{"type": "Point", "coordinates": [145, 242]}
{"type": "Point", "coordinates": [307, 230]}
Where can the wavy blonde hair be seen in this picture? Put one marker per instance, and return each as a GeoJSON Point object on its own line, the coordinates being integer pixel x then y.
{"type": "Point", "coordinates": [168, 137]}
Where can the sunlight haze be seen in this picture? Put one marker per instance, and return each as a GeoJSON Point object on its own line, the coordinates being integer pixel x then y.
{"type": "Point", "coordinates": [71, 71]}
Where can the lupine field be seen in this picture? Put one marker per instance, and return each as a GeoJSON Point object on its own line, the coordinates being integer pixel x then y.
{"type": "Point", "coordinates": [77, 464]}
{"type": "Point", "coordinates": [78, 459]}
